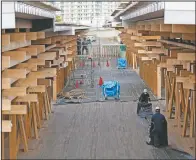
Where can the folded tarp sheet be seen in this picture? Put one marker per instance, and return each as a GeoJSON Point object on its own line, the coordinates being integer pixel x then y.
{"type": "Point", "coordinates": [122, 63]}
{"type": "Point", "coordinates": [111, 89]}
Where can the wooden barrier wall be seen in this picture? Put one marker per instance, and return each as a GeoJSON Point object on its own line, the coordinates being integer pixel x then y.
{"type": "Point", "coordinates": [34, 70]}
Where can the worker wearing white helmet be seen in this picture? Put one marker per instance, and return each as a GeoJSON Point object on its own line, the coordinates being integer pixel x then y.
{"type": "Point", "coordinates": [143, 99]}
{"type": "Point", "coordinates": [158, 129]}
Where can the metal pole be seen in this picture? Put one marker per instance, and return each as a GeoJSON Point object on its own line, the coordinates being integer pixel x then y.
{"type": "Point", "coordinates": [92, 85]}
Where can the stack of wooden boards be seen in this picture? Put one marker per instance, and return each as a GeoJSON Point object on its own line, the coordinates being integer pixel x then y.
{"type": "Point", "coordinates": [34, 70]}
{"type": "Point", "coordinates": [166, 64]}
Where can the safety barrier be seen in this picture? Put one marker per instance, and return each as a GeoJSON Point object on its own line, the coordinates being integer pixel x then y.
{"type": "Point", "coordinates": [102, 50]}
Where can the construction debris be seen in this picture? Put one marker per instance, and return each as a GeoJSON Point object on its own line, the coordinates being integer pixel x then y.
{"type": "Point", "coordinates": [73, 94]}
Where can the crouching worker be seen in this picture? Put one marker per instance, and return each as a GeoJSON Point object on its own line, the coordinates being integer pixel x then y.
{"type": "Point", "coordinates": [143, 100]}
{"type": "Point", "coordinates": [158, 130]}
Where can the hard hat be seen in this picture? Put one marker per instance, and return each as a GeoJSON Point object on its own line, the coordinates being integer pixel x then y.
{"type": "Point", "coordinates": [157, 108]}
{"type": "Point", "coordinates": [145, 90]}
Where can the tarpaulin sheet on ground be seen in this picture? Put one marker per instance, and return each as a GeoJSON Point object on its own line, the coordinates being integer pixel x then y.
{"type": "Point", "coordinates": [122, 63]}
{"type": "Point", "coordinates": [111, 89]}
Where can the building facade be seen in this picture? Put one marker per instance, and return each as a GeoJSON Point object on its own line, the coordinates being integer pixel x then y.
{"type": "Point", "coordinates": [86, 13]}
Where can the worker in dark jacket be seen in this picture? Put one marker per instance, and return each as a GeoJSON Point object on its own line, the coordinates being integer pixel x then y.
{"type": "Point", "coordinates": [143, 100]}
{"type": "Point", "coordinates": [158, 130]}
{"type": "Point", "coordinates": [79, 44]}
{"type": "Point", "coordinates": [85, 46]}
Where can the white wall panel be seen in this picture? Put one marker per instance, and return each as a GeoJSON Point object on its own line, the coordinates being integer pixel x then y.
{"type": "Point", "coordinates": [8, 15]}
{"type": "Point", "coordinates": [179, 13]}
{"type": "Point", "coordinates": [179, 17]}
{"type": "Point", "coordinates": [8, 20]}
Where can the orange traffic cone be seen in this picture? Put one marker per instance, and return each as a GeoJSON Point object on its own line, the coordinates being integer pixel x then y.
{"type": "Point", "coordinates": [93, 64]}
{"type": "Point", "coordinates": [77, 84]}
{"type": "Point", "coordinates": [107, 64]}
{"type": "Point", "coordinates": [100, 81]}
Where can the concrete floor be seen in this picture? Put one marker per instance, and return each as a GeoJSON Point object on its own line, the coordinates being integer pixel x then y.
{"type": "Point", "coordinates": [99, 130]}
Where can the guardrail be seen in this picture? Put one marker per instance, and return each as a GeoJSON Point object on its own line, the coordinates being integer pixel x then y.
{"type": "Point", "coordinates": [28, 9]}
{"type": "Point", "coordinates": [102, 50]}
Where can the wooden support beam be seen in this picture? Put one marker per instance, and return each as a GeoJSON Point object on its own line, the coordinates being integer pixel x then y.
{"type": "Point", "coordinates": [27, 66]}
{"type": "Point", "coordinates": [26, 82]}
{"type": "Point", "coordinates": [17, 110]}
{"type": "Point", "coordinates": [37, 89]}
{"type": "Point", "coordinates": [27, 98]}
{"type": "Point", "coordinates": [149, 43]}
{"type": "Point", "coordinates": [151, 52]}
{"type": "Point", "coordinates": [31, 35]}
{"type": "Point", "coordinates": [6, 104]}
{"type": "Point", "coordinates": [178, 44]}
{"type": "Point", "coordinates": [188, 36]}
{"type": "Point", "coordinates": [15, 55]}
{"type": "Point", "coordinates": [42, 41]}
{"type": "Point", "coordinates": [50, 47]}
{"type": "Point", "coordinates": [48, 64]}
{"type": "Point", "coordinates": [40, 48]}
{"type": "Point", "coordinates": [165, 28]}
{"type": "Point", "coordinates": [14, 73]}
{"type": "Point", "coordinates": [188, 85]}
{"type": "Point", "coordinates": [44, 73]}
{"type": "Point", "coordinates": [40, 35]}
{"type": "Point", "coordinates": [159, 82]}
{"type": "Point", "coordinates": [5, 62]}
{"type": "Point", "coordinates": [18, 37]}
{"type": "Point", "coordinates": [29, 51]}
{"type": "Point", "coordinates": [6, 126]}
{"type": "Point", "coordinates": [175, 35]}
{"type": "Point", "coordinates": [14, 91]}
{"type": "Point", "coordinates": [155, 27]}
{"type": "Point", "coordinates": [39, 62]}
{"type": "Point", "coordinates": [5, 39]}
{"type": "Point", "coordinates": [181, 28]}
{"type": "Point", "coordinates": [185, 122]}
{"type": "Point", "coordinates": [47, 55]}
{"type": "Point", "coordinates": [186, 56]}
{"type": "Point", "coordinates": [6, 83]}
{"type": "Point", "coordinates": [46, 82]}
{"type": "Point", "coordinates": [15, 45]}
{"type": "Point", "coordinates": [192, 78]}
{"type": "Point", "coordinates": [147, 27]}
{"type": "Point", "coordinates": [149, 37]}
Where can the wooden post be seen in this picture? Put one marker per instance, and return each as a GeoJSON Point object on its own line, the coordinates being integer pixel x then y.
{"type": "Point", "coordinates": [2, 145]}
{"type": "Point", "coordinates": [12, 138]}
{"type": "Point", "coordinates": [23, 133]}
{"type": "Point", "coordinates": [185, 123]}
{"type": "Point", "coordinates": [171, 100]}
{"type": "Point", "coordinates": [192, 128]}
{"type": "Point", "coordinates": [159, 82]}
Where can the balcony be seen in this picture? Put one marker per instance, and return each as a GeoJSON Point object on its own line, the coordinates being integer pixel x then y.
{"type": "Point", "coordinates": [30, 10]}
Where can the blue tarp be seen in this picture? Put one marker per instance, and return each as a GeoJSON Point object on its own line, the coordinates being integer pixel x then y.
{"type": "Point", "coordinates": [122, 63]}
{"type": "Point", "coordinates": [111, 89]}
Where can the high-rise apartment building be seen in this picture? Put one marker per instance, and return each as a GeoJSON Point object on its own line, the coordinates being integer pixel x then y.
{"type": "Point", "coordinates": [89, 13]}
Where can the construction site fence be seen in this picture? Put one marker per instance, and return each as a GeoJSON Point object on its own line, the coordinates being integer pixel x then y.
{"type": "Point", "coordinates": [100, 50]}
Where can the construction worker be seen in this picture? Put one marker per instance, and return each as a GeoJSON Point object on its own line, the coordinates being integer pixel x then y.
{"type": "Point", "coordinates": [143, 100]}
{"type": "Point", "coordinates": [84, 46]}
{"type": "Point", "coordinates": [79, 44]}
{"type": "Point", "coordinates": [158, 130]}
